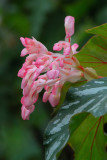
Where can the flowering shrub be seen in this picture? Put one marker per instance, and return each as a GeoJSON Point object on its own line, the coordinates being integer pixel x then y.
{"type": "Point", "coordinates": [81, 119]}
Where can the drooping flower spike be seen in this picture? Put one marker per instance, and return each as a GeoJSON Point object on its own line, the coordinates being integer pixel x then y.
{"type": "Point", "coordinates": [43, 69]}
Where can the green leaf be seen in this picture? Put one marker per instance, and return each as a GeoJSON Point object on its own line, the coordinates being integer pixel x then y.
{"type": "Point", "coordinates": [91, 97]}
{"type": "Point", "coordinates": [88, 140]}
{"type": "Point", "coordinates": [99, 30]}
{"type": "Point", "coordinates": [94, 53]}
{"type": "Point", "coordinates": [64, 90]}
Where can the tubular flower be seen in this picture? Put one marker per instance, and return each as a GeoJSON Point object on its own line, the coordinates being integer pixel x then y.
{"type": "Point", "coordinates": [43, 69]}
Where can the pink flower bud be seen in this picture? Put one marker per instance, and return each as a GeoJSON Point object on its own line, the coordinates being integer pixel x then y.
{"type": "Point", "coordinates": [26, 78]}
{"type": "Point", "coordinates": [62, 44]}
{"type": "Point", "coordinates": [54, 99]}
{"type": "Point", "coordinates": [54, 65]}
{"type": "Point", "coordinates": [25, 113]}
{"type": "Point", "coordinates": [21, 72]}
{"type": "Point", "coordinates": [32, 46]}
{"type": "Point", "coordinates": [74, 48]}
{"type": "Point", "coordinates": [69, 26]}
{"type": "Point", "coordinates": [29, 100]}
{"type": "Point", "coordinates": [46, 96]}
{"type": "Point", "coordinates": [24, 52]}
{"type": "Point", "coordinates": [57, 47]}
{"type": "Point", "coordinates": [74, 76]}
{"type": "Point", "coordinates": [27, 89]}
{"type": "Point", "coordinates": [23, 41]}
{"type": "Point", "coordinates": [38, 71]}
{"type": "Point", "coordinates": [67, 50]}
{"type": "Point", "coordinates": [53, 74]}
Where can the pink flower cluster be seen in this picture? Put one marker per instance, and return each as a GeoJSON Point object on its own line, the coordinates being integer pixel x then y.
{"type": "Point", "coordinates": [46, 70]}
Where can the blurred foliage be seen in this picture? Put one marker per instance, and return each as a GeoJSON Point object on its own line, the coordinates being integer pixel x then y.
{"type": "Point", "coordinates": [42, 19]}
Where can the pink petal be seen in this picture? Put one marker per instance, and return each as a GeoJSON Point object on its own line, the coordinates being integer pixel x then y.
{"type": "Point", "coordinates": [67, 51]}
{"type": "Point", "coordinates": [27, 78]}
{"type": "Point", "coordinates": [31, 108]}
{"type": "Point", "coordinates": [21, 72]}
{"type": "Point", "coordinates": [24, 52]}
{"type": "Point", "coordinates": [24, 83]}
{"type": "Point", "coordinates": [29, 41]}
{"type": "Point", "coordinates": [74, 48]}
{"type": "Point", "coordinates": [37, 73]}
{"type": "Point", "coordinates": [25, 112]}
{"type": "Point", "coordinates": [57, 47]}
{"type": "Point", "coordinates": [26, 90]}
{"type": "Point", "coordinates": [28, 100]}
{"type": "Point", "coordinates": [23, 41]}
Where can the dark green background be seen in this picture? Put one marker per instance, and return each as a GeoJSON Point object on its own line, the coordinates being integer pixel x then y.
{"type": "Point", "coordinates": [44, 20]}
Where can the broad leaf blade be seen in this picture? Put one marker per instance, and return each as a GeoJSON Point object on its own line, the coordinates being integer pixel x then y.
{"type": "Point", "coordinates": [89, 140]}
{"type": "Point", "coordinates": [100, 30]}
{"type": "Point", "coordinates": [91, 97]}
{"type": "Point", "coordinates": [64, 90]}
{"type": "Point", "coordinates": [94, 53]}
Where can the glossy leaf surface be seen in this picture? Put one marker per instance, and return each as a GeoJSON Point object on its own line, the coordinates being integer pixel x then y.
{"type": "Point", "coordinates": [91, 98]}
